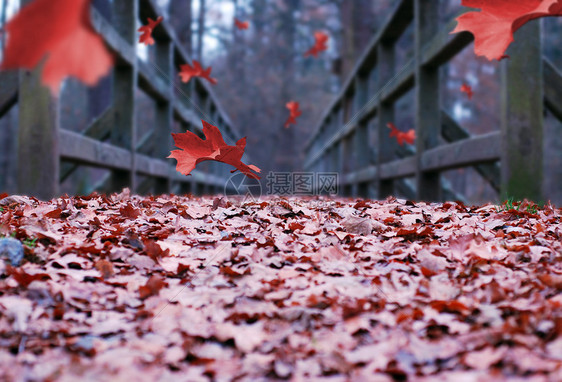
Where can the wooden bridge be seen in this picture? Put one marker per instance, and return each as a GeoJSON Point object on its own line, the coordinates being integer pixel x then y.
{"type": "Point", "coordinates": [48, 154]}
{"type": "Point", "coordinates": [340, 143]}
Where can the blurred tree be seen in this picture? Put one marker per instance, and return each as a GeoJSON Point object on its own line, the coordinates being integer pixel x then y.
{"type": "Point", "coordinates": [181, 19]}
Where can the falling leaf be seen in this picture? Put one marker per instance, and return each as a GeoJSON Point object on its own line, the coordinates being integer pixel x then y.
{"type": "Point", "coordinates": [293, 107]}
{"type": "Point", "coordinates": [146, 30]}
{"type": "Point", "coordinates": [59, 34]}
{"type": "Point", "coordinates": [187, 72]}
{"type": "Point", "coordinates": [496, 22]}
{"type": "Point", "coordinates": [195, 150]}
{"type": "Point", "coordinates": [242, 25]}
{"type": "Point", "coordinates": [408, 137]}
{"type": "Point", "coordinates": [465, 88]}
{"type": "Point", "coordinates": [320, 44]}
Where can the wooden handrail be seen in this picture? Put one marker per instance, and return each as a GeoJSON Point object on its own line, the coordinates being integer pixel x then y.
{"type": "Point", "coordinates": [434, 47]}
{"type": "Point", "coordinates": [121, 153]}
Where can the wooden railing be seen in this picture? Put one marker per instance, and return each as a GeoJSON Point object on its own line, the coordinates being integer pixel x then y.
{"type": "Point", "coordinates": [48, 154]}
{"type": "Point", "coordinates": [340, 142]}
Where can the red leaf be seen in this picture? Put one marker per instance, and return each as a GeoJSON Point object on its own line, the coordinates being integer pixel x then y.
{"type": "Point", "coordinates": [152, 287]}
{"type": "Point", "coordinates": [54, 214]}
{"type": "Point", "coordinates": [105, 268]}
{"type": "Point", "coordinates": [187, 72]}
{"type": "Point", "coordinates": [294, 113]}
{"type": "Point", "coordinates": [24, 279]}
{"type": "Point", "coordinates": [61, 34]}
{"type": "Point", "coordinates": [154, 251]}
{"type": "Point", "coordinates": [494, 25]}
{"type": "Point", "coordinates": [129, 211]}
{"type": "Point", "coordinates": [408, 137]}
{"type": "Point", "coordinates": [147, 30]}
{"type": "Point", "coordinates": [465, 88]}
{"type": "Point", "coordinates": [320, 44]}
{"type": "Point", "coordinates": [196, 150]}
{"type": "Point", "coordinates": [241, 24]}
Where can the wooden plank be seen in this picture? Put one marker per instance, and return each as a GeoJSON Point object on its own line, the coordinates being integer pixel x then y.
{"type": "Point", "coordinates": [361, 145]}
{"type": "Point", "coordinates": [399, 84]}
{"type": "Point", "coordinates": [151, 82]}
{"type": "Point", "coordinates": [146, 144]}
{"type": "Point", "coordinates": [386, 67]}
{"type": "Point", "coordinates": [367, 174]}
{"type": "Point", "coordinates": [427, 107]}
{"type": "Point", "coordinates": [9, 85]}
{"type": "Point", "coordinates": [398, 169]}
{"type": "Point", "coordinates": [78, 148]}
{"type": "Point", "coordinates": [466, 152]}
{"type": "Point", "coordinates": [522, 116]}
{"type": "Point", "coordinates": [444, 45]}
{"type": "Point", "coordinates": [186, 115]}
{"type": "Point", "coordinates": [405, 189]}
{"type": "Point", "coordinates": [125, 52]}
{"type": "Point", "coordinates": [553, 88]}
{"type": "Point", "coordinates": [99, 129]}
{"type": "Point", "coordinates": [38, 138]}
{"type": "Point", "coordinates": [164, 115]}
{"type": "Point", "coordinates": [452, 132]}
{"type": "Point", "coordinates": [152, 167]}
{"type": "Point", "coordinates": [125, 80]}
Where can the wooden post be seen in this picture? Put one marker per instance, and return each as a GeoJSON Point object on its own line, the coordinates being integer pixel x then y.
{"type": "Point", "coordinates": [385, 63]}
{"type": "Point", "coordinates": [522, 116]}
{"type": "Point", "coordinates": [427, 105]}
{"type": "Point", "coordinates": [38, 138]}
{"type": "Point", "coordinates": [361, 136]}
{"type": "Point", "coordinates": [164, 112]}
{"type": "Point", "coordinates": [123, 134]}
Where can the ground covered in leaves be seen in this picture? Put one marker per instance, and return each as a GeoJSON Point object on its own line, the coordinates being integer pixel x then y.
{"type": "Point", "coordinates": [123, 287]}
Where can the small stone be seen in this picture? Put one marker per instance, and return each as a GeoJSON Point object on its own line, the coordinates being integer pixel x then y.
{"type": "Point", "coordinates": [11, 249]}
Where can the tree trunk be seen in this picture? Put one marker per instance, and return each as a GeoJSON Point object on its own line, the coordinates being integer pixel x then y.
{"type": "Point", "coordinates": [201, 29]}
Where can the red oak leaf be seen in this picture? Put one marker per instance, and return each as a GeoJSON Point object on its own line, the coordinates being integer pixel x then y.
{"type": "Point", "coordinates": [187, 72]}
{"type": "Point", "coordinates": [146, 31]}
{"type": "Point", "coordinates": [494, 25]}
{"type": "Point", "coordinates": [196, 150]}
{"type": "Point", "coordinates": [152, 287]}
{"type": "Point", "coordinates": [409, 137]}
{"type": "Point", "coordinates": [293, 107]}
{"type": "Point", "coordinates": [60, 33]}
{"type": "Point", "coordinates": [241, 24]}
{"type": "Point", "coordinates": [465, 88]}
{"type": "Point", "coordinates": [320, 44]}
